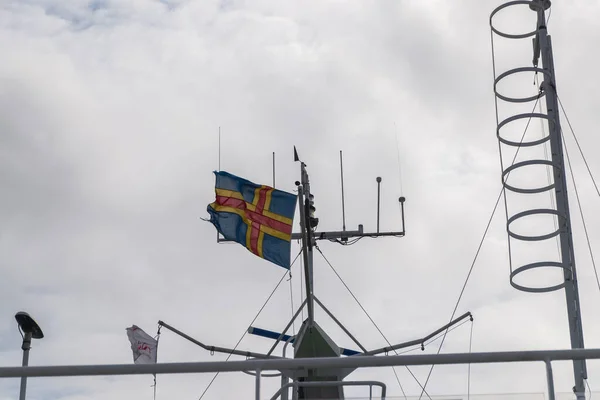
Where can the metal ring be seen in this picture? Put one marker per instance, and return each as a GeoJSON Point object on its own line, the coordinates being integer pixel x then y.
{"type": "Point", "coordinates": [534, 265]}
{"type": "Point", "coordinates": [522, 116]}
{"type": "Point", "coordinates": [515, 71]}
{"type": "Point", "coordinates": [524, 164]}
{"type": "Point", "coordinates": [509, 35]}
{"type": "Point", "coordinates": [533, 212]}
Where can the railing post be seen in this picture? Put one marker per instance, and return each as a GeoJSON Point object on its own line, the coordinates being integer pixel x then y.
{"type": "Point", "coordinates": [550, 378]}
{"type": "Point", "coordinates": [257, 385]}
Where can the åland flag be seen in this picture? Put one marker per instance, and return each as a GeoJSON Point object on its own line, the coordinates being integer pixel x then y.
{"type": "Point", "coordinates": [256, 216]}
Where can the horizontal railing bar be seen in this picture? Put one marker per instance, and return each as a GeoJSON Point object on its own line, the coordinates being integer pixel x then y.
{"type": "Point", "coordinates": [299, 363]}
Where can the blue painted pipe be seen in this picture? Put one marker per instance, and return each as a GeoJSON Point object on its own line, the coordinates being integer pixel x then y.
{"type": "Point", "coordinates": [269, 334]}
{"type": "Point", "coordinates": [348, 352]}
{"type": "Point", "coordinates": [275, 335]}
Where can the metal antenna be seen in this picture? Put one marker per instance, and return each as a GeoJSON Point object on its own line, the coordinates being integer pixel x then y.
{"type": "Point", "coordinates": [312, 341]}
{"type": "Point", "coordinates": [378, 179]}
{"type": "Point", "coordinates": [219, 151]}
{"type": "Point", "coordinates": [343, 202]}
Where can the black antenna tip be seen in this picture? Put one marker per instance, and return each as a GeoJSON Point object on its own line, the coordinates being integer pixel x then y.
{"type": "Point", "coordinates": [402, 199]}
{"type": "Point", "coordinates": [296, 158]}
{"type": "Point", "coordinates": [378, 179]}
{"type": "Point", "coordinates": [297, 183]}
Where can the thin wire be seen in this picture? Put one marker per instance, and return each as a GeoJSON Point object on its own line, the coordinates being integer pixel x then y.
{"type": "Point", "coordinates": [398, 154]}
{"type": "Point", "coordinates": [589, 389]}
{"type": "Point", "coordinates": [462, 291]}
{"type": "Point", "coordinates": [587, 238]}
{"type": "Point", "coordinates": [548, 171]}
{"type": "Point", "coordinates": [503, 193]}
{"type": "Point", "coordinates": [246, 330]}
{"type": "Point", "coordinates": [500, 195]}
{"type": "Point", "coordinates": [302, 288]}
{"type": "Point", "coordinates": [292, 303]}
{"type": "Point", "coordinates": [578, 146]}
{"type": "Point", "coordinates": [372, 321]}
{"type": "Point", "coordinates": [343, 201]}
{"type": "Point", "coordinates": [157, 337]}
{"type": "Point", "coordinates": [469, 370]}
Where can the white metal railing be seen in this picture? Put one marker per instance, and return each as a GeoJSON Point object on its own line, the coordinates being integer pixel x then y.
{"type": "Point", "coordinates": [297, 384]}
{"type": "Point", "coordinates": [304, 364]}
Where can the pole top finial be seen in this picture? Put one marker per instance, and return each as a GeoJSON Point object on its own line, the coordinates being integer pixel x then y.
{"type": "Point", "coordinates": [535, 4]}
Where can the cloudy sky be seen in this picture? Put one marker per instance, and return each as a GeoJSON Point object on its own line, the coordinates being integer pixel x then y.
{"type": "Point", "coordinates": [109, 113]}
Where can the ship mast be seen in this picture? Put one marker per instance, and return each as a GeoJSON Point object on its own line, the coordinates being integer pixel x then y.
{"type": "Point", "coordinates": [542, 48]}
{"type": "Point", "coordinates": [307, 223]}
{"type": "Point", "coordinates": [543, 45]}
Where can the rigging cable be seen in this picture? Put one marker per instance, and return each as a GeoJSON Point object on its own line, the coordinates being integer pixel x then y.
{"type": "Point", "coordinates": [374, 324]}
{"type": "Point", "coordinates": [157, 337]}
{"type": "Point", "coordinates": [502, 192]}
{"type": "Point", "coordinates": [301, 287]}
{"type": "Point", "coordinates": [462, 291]}
{"type": "Point", "coordinates": [578, 145]}
{"type": "Point", "coordinates": [548, 170]}
{"type": "Point", "coordinates": [469, 367]}
{"type": "Point", "coordinates": [500, 196]}
{"type": "Point", "coordinates": [589, 389]}
{"type": "Point", "coordinates": [292, 302]}
{"type": "Point", "coordinates": [246, 330]}
{"type": "Point", "coordinates": [587, 238]}
{"type": "Point", "coordinates": [577, 195]}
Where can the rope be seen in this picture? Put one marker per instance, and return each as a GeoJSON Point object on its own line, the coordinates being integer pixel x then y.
{"type": "Point", "coordinates": [374, 324]}
{"type": "Point", "coordinates": [246, 330]}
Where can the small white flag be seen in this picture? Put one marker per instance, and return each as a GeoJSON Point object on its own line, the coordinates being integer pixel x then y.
{"type": "Point", "coordinates": [143, 346]}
